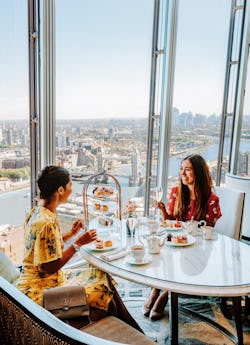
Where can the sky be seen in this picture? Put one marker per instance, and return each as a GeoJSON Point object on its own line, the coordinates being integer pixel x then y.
{"type": "Point", "coordinates": [103, 57]}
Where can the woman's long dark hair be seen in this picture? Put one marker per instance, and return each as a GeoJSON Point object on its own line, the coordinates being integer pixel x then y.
{"type": "Point", "coordinates": [50, 179]}
{"type": "Point", "coordinates": [202, 190]}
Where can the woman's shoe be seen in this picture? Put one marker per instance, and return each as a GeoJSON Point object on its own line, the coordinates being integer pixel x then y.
{"type": "Point", "coordinates": [157, 312]}
{"type": "Point", "coordinates": [156, 315]}
{"type": "Point", "coordinates": [150, 302]}
{"type": "Point", "coordinates": [146, 311]}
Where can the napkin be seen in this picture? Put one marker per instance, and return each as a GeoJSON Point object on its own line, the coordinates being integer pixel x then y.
{"type": "Point", "coordinates": [114, 256]}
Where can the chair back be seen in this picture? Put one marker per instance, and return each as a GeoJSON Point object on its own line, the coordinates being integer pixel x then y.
{"type": "Point", "coordinates": [231, 204]}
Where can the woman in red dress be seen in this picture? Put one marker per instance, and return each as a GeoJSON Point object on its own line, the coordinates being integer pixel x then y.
{"type": "Point", "coordinates": [192, 199]}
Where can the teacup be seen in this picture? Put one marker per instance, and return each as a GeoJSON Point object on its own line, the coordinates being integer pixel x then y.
{"type": "Point", "coordinates": [193, 227]}
{"type": "Point", "coordinates": [137, 252]}
{"type": "Point", "coordinates": [207, 232]}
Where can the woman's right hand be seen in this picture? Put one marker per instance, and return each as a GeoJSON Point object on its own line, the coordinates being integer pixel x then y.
{"type": "Point", "coordinates": [159, 205]}
{"type": "Point", "coordinates": [87, 237]}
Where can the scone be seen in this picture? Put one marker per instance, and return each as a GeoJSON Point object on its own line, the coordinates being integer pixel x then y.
{"type": "Point", "coordinates": [97, 206]}
{"type": "Point", "coordinates": [108, 243]}
{"type": "Point", "coordinates": [104, 207]}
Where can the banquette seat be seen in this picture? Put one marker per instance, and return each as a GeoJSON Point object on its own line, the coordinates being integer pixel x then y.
{"type": "Point", "coordinates": [24, 322]}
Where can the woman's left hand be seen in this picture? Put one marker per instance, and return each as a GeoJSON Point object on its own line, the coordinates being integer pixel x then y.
{"type": "Point", "coordinates": [76, 226]}
{"type": "Point", "coordinates": [87, 237]}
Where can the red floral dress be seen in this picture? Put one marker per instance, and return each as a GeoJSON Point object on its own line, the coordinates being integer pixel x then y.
{"type": "Point", "coordinates": [213, 207]}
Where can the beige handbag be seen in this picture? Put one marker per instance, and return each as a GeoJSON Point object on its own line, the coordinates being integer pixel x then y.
{"type": "Point", "coordinates": [66, 302]}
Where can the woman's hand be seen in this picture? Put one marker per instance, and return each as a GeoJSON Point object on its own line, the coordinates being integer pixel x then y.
{"type": "Point", "coordinates": [76, 226]}
{"type": "Point", "coordinates": [86, 237]}
{"type": "Point", "coordinates": [159, 205]}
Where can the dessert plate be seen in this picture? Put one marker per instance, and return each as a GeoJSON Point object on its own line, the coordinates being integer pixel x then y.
{"type": "Point", "coordinates": [92, 247]}
{"type": "Point", "coordinates": [190, 240]}
{"type": "Point", "coordinates": [130, 260]}
{"type": "Point", "coordinates": [170, 228]}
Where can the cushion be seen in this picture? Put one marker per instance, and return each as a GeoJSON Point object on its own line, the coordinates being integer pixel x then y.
{"type": "Point", "coordinates": [114, 329]}
{"type": "Point", "coordinates": [7, 269]}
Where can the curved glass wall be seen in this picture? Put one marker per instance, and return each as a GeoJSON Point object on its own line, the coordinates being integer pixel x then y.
{"type": "Point", "coordinates": [14, 127]}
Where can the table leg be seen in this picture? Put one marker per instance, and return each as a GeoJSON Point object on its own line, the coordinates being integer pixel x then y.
{"type": "Point", "coordinates": [238, 318]}
{"type": "Point", "coordinates": [247, 306]}
{"type": "Point", "coordinates": [173, 318]}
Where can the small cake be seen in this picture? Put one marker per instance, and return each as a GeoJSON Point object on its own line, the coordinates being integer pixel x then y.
{"type": "Point", "coordinates": [102, 191]}
{"type": "Point", "coordinates": [179, 239]}
{"type": "Point", "coordinates": [108, 243]}
{"type": "Point", "coordinates": [97, 206]}
{"type": "Point", "coordinates": [104, 207]}
{"type": "Point", "coordinates": [177, 224]}
{"type": "Point", "coordinates": [166, 224]}
{"type": "Point", "coordinates": [99, 244]}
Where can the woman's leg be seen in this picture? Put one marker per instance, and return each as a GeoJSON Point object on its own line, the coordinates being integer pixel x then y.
{"type": "Point", "coordinates": [157, 311]}
{"type": "Point", "coordinates": [154, 294]}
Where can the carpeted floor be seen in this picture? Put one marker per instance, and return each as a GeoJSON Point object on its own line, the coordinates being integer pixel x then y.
{"type": "Point", "coordinates": [192, 331]}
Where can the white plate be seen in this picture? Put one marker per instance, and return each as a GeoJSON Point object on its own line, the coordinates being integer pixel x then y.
{"type": "Point", "coordinates": [132, 261]}
{"type": "Point", "coordinates": [170, 228]}
{"type": "Point", "coordinates": [191, 240]}
{"type": "Point", "coordinates": [92, 247]}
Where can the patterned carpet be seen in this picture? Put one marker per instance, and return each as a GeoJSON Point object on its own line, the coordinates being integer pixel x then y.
{"type": "Point", "coordinates": [192, 331]}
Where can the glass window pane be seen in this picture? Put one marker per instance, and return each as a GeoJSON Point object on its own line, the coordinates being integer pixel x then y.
{"type": "Point", "coordinates": [202, 38]}
{"type": "Point", "coordinates": [244, 154]}
{"type": "Point", "coordinates": [14, 126]}
{"type": "Point", "coordinates": [103, 60]}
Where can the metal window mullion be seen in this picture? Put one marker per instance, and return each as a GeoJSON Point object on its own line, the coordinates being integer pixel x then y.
{"type": "Point", "coordinates": [48, 127]}
{"type": "Point", "coordinates": [167, 94]}
{"type": "Point", "coordinates": [34, 104]}
{"type": "Point", "coordinates": [151, 106]}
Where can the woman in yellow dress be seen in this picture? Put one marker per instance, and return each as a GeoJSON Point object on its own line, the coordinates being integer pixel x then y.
{"type": "Point", "coordinates": [44, 246]}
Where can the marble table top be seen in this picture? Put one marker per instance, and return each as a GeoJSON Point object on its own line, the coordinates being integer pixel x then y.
{"type": "Point", "coordinates": [217, 267]}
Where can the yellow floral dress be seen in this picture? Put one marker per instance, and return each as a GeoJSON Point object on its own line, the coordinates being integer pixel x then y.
{"type": "Point", "coordinates": [43, 243]}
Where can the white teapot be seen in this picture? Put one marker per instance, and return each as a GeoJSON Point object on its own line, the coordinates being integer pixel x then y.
{"type": "Point", "coordinates": [154, 243]}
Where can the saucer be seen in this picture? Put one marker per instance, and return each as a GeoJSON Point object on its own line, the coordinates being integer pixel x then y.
{"type": "Point", "coordinates": [130, 260]}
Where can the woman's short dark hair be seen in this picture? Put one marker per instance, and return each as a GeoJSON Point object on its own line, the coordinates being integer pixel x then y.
{"type": "Point", "coordinates": [50, 179]}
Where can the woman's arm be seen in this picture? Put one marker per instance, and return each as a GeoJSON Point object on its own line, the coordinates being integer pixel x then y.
{"type": "Point", "coordinates": [54, 266]}
{"type": "Point", "coordinates": [163, 210]}
{"type": "Point", "coordinates": [213, 210]}
{"type": "Point", "coordinates": [168, 213]}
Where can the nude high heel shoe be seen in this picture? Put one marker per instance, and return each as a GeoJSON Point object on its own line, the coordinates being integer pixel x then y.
{"type": "Point", "coordinates": [157, 312]}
